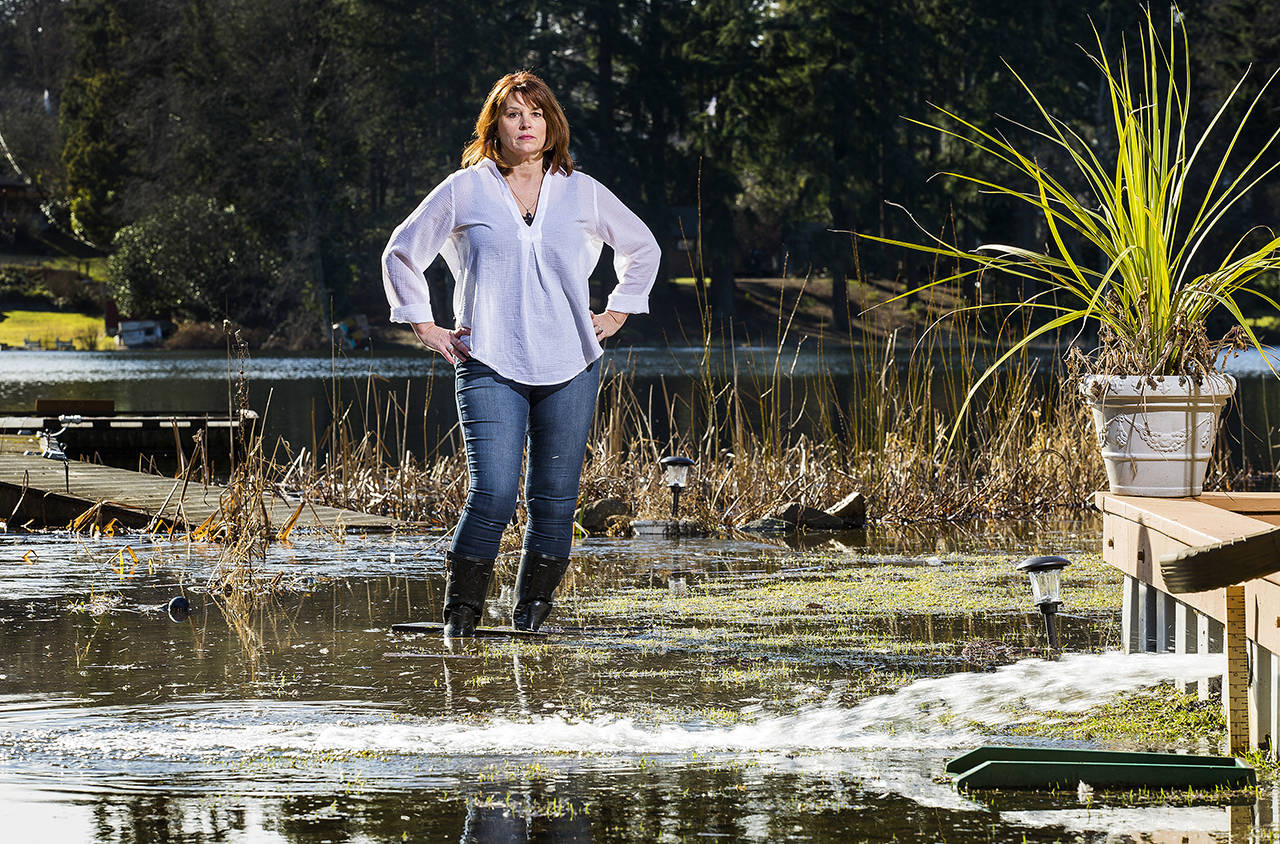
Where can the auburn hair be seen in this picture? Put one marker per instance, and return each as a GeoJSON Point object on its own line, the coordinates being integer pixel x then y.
{"type": "Point", "coordinates": [484, 141]}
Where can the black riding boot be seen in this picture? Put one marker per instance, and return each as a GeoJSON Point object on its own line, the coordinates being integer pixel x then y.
{"type": "Point", "coordinates": [465, 587]}
{"type": "Point", "coordinates": [539, 576]}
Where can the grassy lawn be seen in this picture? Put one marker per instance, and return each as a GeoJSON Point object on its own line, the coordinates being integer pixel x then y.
{"type": "Point", "coordinates": [95, 268]}
{"type": "Point", "coordinates": [85, 330]}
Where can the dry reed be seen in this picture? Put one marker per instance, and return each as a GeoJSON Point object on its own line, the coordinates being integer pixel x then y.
{"type": "Point", "coordinates": [762, 438]}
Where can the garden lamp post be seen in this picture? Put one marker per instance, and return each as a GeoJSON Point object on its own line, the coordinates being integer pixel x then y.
{"type": "Point", "coordinates": [676, 476]}
{"type": "Point", "coordinates": [1045, 574]}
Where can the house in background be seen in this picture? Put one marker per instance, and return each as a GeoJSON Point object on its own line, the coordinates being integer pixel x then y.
{"type": "Point", "coordinates": [140, 333]}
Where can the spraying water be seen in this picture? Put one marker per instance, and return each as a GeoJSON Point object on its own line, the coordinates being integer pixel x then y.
{"type": "Point", "coordinates": [939, 713]}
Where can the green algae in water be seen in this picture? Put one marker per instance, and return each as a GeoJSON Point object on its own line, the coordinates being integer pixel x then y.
{"type": "Point", "coordinates": [919, 606]}
{"type": "Point", "coordinates": [1159, 718]}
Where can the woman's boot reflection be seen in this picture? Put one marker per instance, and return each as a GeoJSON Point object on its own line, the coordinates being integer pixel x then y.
{"type": "Point", "coordinates": [502, 818]}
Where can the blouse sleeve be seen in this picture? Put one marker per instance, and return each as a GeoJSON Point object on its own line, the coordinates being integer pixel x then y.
{"type": "Point", "coordinates": [636, 252]}
{"type": "Point", "coordinates": [413, 246]}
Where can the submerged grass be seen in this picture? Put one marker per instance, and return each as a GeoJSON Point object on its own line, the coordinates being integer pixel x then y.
{"type": "Point", "coordinates": [1163, 717]}
{"type": "Point", "coordinates": [765, 630]}
{"type": "Point", "coordinates": [849, 588]}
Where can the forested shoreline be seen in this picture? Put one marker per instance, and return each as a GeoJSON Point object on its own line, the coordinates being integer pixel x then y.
{"type": "Point", "coordinates": [247, 160]}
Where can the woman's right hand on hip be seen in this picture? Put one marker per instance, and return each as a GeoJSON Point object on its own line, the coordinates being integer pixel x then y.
{"type": "Point", "coordinates": [446, 342]}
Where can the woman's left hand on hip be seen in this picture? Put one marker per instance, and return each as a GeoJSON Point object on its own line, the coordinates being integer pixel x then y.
{"type": "Point", "coordinates": [607, 323]}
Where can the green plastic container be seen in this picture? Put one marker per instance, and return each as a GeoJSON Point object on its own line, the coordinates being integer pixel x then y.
{"type": "Point", "coordinates": [1039, 767]}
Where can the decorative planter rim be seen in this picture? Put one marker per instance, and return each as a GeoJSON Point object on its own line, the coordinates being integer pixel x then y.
{"type": "Point", "coordinates": [1212, 384]}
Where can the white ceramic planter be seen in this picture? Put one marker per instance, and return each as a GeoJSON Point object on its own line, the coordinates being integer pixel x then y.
{"type": "Point", "coordinates": [1156, 438]}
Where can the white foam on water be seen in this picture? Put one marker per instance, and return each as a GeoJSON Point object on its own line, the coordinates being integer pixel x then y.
{"type": "Point", "coordinates": [1019, 692]}
{"type": "Point", "coordinates": [1135, 824]}
{"type": "Point", "coordinates": [893, 744]}
{"type": "Point", "coordinates": [936, 713]}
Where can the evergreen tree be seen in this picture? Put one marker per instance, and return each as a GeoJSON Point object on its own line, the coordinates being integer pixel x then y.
{"type": "Point", "coordinates": [96, 147]}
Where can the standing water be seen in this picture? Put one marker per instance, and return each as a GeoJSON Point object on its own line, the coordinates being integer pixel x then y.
{"type": "Point", "coordinates": [769, 698]}
{"type": "Point", "coordinates": [296, 391]}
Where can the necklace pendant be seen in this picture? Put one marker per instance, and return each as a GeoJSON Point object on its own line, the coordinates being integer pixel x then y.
{"type": "Point", "coordinates": [528, 218]}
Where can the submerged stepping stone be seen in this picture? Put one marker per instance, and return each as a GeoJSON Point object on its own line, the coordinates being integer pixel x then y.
{"type": "Point", "coordinates": [437, 628]}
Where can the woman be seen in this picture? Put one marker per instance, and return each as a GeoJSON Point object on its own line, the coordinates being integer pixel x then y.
{"type": "Point", "coordinates": [521, 231]}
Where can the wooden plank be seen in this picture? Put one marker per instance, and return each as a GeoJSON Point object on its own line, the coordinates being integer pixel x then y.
{"type": "Point", "coordinates": [47, 496]}
{"type": "Point", "coordinates": [1249, 503]}
{"type": "Point", "coordinates": [56, 407]}
{"type": "Point", "coordinates": [1235, 692]}
{"type": "Point", "coordinates": [1273, 716]}
{"type": "Point", "coordinates": [1260, 702]}
{"type": "Point", "coordinates": [1131, 616]}
{"type": "Point", "coordinates": [1165, 614]}
{"type": "Point", "coordinates": [1187, 520]}
{"type": "Point", "coordinates": [1184, 637]}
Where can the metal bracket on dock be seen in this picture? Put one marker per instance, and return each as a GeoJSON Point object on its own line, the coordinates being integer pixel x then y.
{"type": "Point", "coordinates": [53, 451]}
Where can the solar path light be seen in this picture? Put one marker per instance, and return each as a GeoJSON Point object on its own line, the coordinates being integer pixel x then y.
{"type": "Point", "coordinates": [1045, 574]}
{"type": "Point", "coordinates": [676, 476]}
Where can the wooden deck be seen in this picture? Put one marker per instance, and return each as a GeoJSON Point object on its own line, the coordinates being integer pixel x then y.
{"type": "Point", "coordinates": [119, 438]}
{"type": "Point", "coordinates": [1242, 620]}
{"type": "Point", "coordinates": [40, 492]}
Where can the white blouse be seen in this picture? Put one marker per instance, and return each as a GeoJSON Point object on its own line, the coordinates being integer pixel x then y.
{"type": "Point", "coordinates": [521, 289]}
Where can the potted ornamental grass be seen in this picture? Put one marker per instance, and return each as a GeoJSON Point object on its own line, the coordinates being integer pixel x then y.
{"type": "Point", "coordinates": [1132, 248]}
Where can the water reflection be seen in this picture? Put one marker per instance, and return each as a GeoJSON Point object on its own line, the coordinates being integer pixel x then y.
{"type": "Point", "coordinates": [569, 806]}
{"type": "Point", "coordinates": [296, 717]}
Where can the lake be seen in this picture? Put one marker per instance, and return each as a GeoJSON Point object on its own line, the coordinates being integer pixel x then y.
{"type": "Point", "coordinates": [295, 390]}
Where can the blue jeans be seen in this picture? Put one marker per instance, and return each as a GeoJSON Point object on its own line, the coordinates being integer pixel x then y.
{"type": "Point", "coordinates": [498, 415]}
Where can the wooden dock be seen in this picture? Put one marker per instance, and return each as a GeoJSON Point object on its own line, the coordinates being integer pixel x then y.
{"type": "Point", "coordinates": [94, 430]}
{"type": "Point", "coordinates": [40, 492]}
{"type": "Point", "coordinates": [1241, 620]}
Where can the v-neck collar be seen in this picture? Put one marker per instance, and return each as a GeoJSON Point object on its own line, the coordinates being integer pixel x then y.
{"type": "Point", "coordinates": [513, 206]}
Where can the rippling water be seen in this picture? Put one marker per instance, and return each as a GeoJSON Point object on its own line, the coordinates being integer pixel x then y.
{"type": "Point", "coordinates": [300, 718]}
{"type": "Point", "coordinates": [296, 390]}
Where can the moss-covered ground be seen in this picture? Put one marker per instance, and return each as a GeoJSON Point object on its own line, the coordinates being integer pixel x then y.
{"type": "Point", "coordinates": [835, 604]}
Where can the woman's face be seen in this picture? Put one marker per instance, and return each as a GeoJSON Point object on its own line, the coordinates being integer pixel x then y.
{"type": "Point", "coordinates": [522, 130]}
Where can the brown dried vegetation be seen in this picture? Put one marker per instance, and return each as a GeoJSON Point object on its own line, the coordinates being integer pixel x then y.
{"type": "Point", "coordinates": [761, 439]}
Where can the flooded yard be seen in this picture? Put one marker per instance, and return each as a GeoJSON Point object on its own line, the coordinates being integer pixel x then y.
{"type": "Point", "coordinates": [699, 690]}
